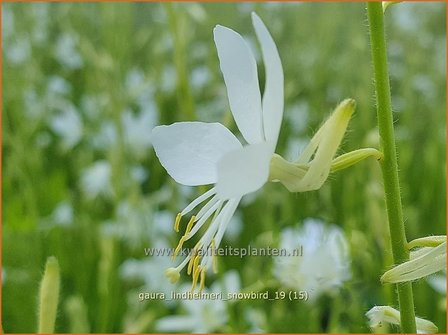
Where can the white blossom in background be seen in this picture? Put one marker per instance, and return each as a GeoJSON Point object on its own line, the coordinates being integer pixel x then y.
{"type": "Point", "coordinates": [149, 270]}
{"type": "Point", "coordinates": [67, 124]}
{"type": "Point", "coordinates": [17, 51]}
{"type": "Point", "coordinates": [137, 127]}
{"type": "Point", "coordinates": [200, 76]}
{"type": "Point", "coordinates": [257, 320]}
{"type": "Point", "coordinates": [168, 81]}
{"type": "Point", "coordinates": [380, 315]}
{"type": "Point", "coordinates": [66, 51]}
{"type": "Point", "coordinates": [40, 12]}
{"type": "Point", "coordinates": [96, 179]}
{"type": "Point", "coordinates": [202, 315]}
{"type": "Point", "coordinates": [7, 23]}
{"type": "Point", "coordinates": [324, 265]}
{"type": "Point", "coordinates": [297, 116]}
{"type": "Point", "coordinates": [57, 87]}
{"type": "Point", "coordinates": [197, 153]}
{"type": "Point", "coordinates": [105, 137]}
{"type": "Point", "coordinates": [62, 215]}
{"type": "Point", "coordinates": [135, 82]}
{"type": "Point", "coordinates": [162, 224]}
{"type": "Point", "coordinates": [139, 173]}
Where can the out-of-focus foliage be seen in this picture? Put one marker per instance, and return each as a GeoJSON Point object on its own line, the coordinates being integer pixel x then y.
{"type": "Point", "coordinates": [84, 84]}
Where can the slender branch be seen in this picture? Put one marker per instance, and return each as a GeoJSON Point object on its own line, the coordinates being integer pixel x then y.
{"type": "Point", "coordinates": [389, 163]}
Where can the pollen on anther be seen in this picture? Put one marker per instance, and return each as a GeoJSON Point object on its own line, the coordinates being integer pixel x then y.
{"type": "Point", "coordinates": [177, 222]}
{"type": "Point", "coordinates": [190, 224]}
{"type": "Point", "coordinates": [179, 247]}
{"type": "Point", "coordinates": [196, 272]}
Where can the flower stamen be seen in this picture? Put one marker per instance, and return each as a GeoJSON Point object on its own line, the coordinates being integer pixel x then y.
{"type": "Point", "coordinates": [177, 222]}
{"type": "Point", "coordinates": [190, 225]}
{"type": "Point", "coordinates": [202, 284]}
{"type": "Point", "coordinates": [179, 247]}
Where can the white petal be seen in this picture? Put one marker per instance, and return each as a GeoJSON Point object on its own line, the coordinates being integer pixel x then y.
{"type": "Point", "coordinates": [244, 170]}
{"type": "Point", "coordinates": [189, 151]}
{"type": "Point", "coordinates": [239, 69]}
{"type": "Point", "coordinates": [273, 90]}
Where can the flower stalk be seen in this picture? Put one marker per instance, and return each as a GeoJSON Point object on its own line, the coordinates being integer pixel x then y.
{"type": "Point", "coordinates": [389, 163]}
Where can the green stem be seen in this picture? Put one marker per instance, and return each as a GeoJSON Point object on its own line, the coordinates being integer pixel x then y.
{"type": "Point", "coordinates": [389, 163]}
{"type": "Point", "coordinates": [184, 95]}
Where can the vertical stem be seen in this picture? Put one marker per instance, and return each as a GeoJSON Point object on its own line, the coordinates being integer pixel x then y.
{"type": "Point", "coordinates": [389, 164]}
{"type": "Point", "coordinates": [184, 95]}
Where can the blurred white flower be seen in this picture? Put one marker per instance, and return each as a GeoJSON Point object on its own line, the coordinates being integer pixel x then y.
{"type": "Point", "coordinates": [40, 12]}
{"type": "Point", "coordinates": [135, 82]}
{"type": "Point", "coordinates": [96, 179]}
{"type": "Point", "coordinates": [324, 265]}
{"type": "Point", "coordinates": [202, 315]}
{"type": "Point", "coordinates": [137, 130]}
{"type": "Point", "coordinates": [57, 86]}
{"type": "Point", "coordinates": [7, 23]}
{"type": "Point", "coordinates": [379, 315]}
{"type": "Point", "coordinates": [63, 214]}
{"type": "Point", "coordinates": [162, 223]}
{"type": "Point", "coordinates": [139, 173]}
{"type": "Point", "coordinates": [18, 50]}
{"type": "Point", "coordinates": [68, 125]}
{"type": "Point", "coordinates": [200, 76]}
{"type": "Point", "coordinates": [134, 218]}
{"type": "Point", "coordinates": [106, 137]}
{"type": "Point", "coordinates": [149, 270]}
{"type": "Point", "coordinates": [168, 81]}
{"type": "Point", "coordinates": [297, 116]}
{"type": "Point", "coordinates": [256, 318]}
{"type": "Point", "coordinates": [66, 51]}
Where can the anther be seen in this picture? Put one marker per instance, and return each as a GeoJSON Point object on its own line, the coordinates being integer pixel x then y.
{"type": "Point", "coordinates": [177, 222]}
{"type": "Point", "coordinates": [190, 225]}
{"type": "Point", "coordinates": [179, 246]}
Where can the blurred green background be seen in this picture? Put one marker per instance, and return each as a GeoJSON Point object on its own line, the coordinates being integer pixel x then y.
{"type": "Point", "coordinates": [84, 84]}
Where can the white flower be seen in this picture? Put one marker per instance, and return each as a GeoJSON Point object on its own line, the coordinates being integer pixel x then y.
{"type": "Point", "coordinates": [197, 153]}
{"type": "Point", "coordinates": [324, 264]}
{"type": "Point", "coordinates": [63, 214]}
{"type": "Point", "coordinates": [68, 125]}
{"type": "Point", "coordinates": [136, 128]}
{"type": "Point", "coordinates": [96, 179]}
{"type": "Point", "coordinates": [18, 51]}
{"type": "Point", "coordinates": [202, 315]}
{"type": "Point", "coordinates": [66, 51]}
{"type": "Point", "coordinates": [386, 314]}
{"type": "Point", "coordinates": [149, 270]}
